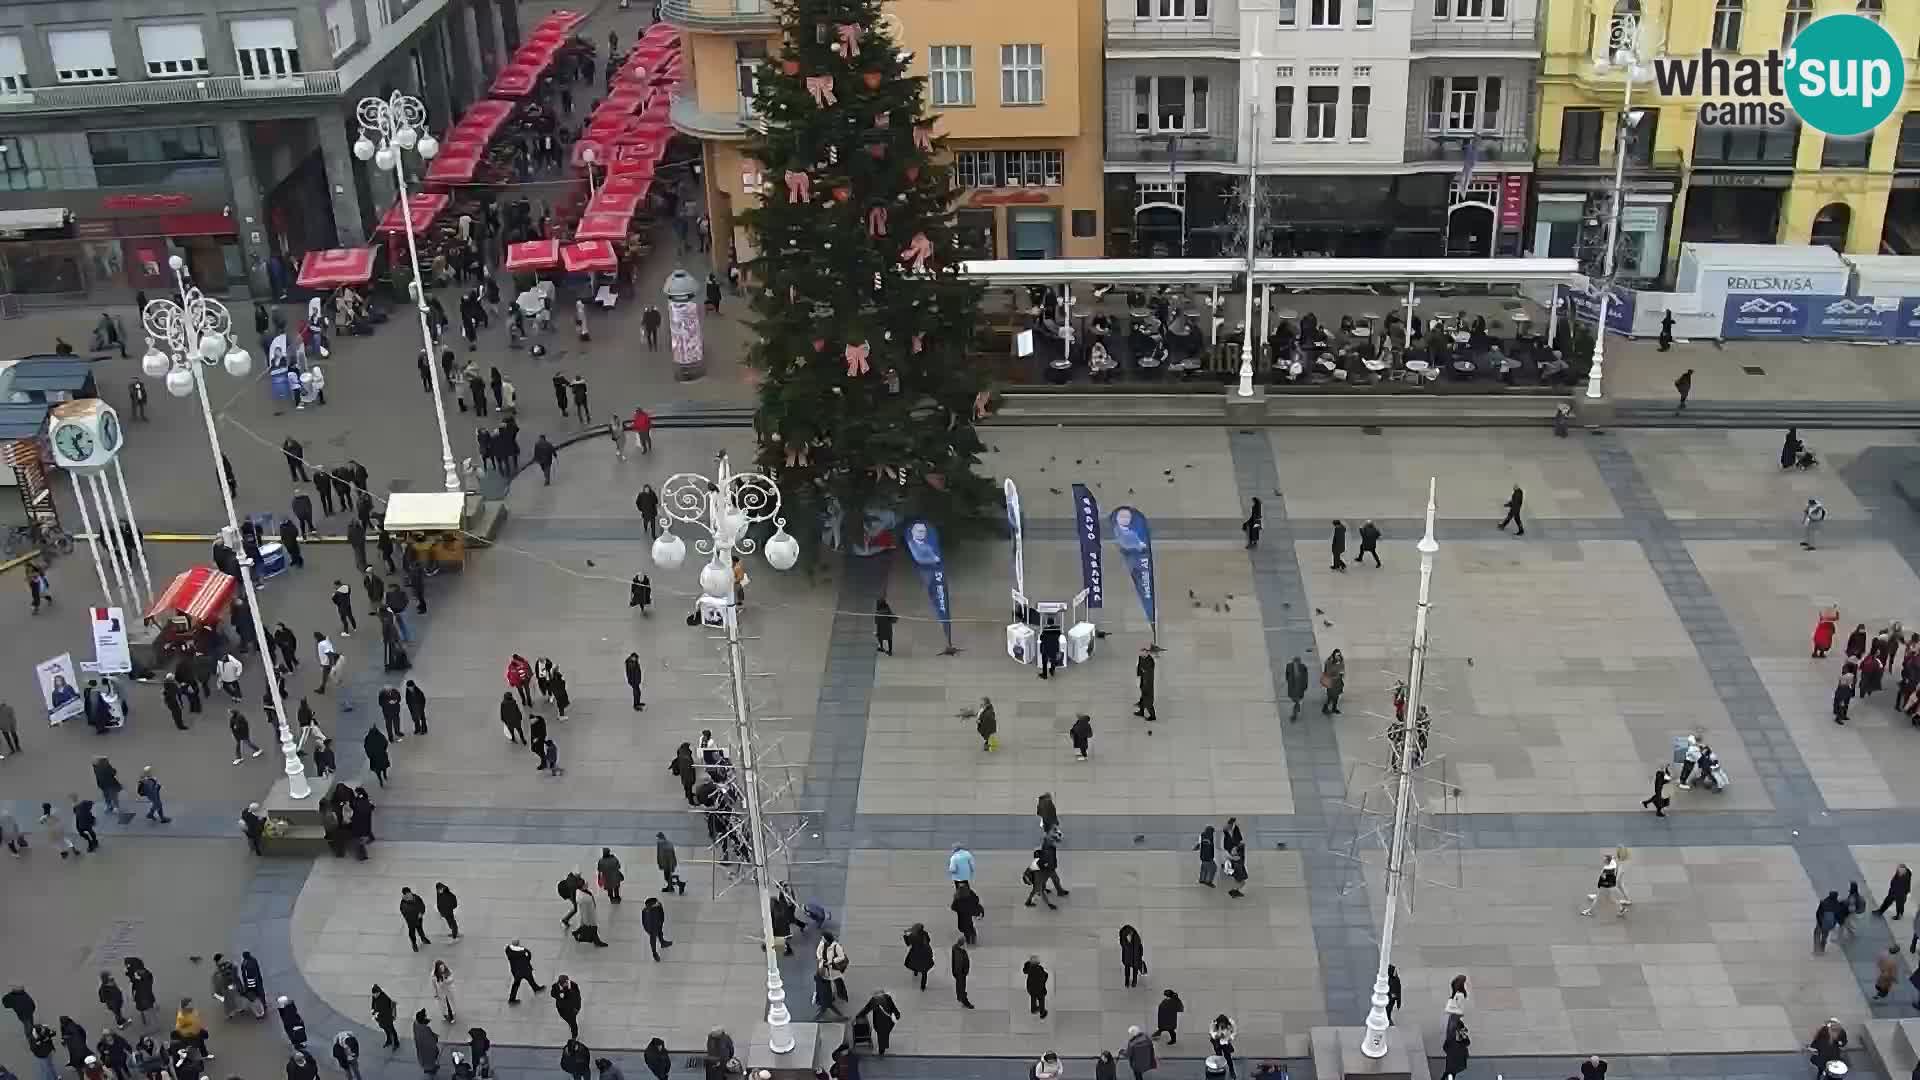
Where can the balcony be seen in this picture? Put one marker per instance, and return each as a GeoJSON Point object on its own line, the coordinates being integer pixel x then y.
{"type": "Point", "coordinates": [690, 119]}
{"type": "Point", "coordinates": [1165, 149]}
{"type": "Point", "coordinates": [1173, 35]}
{"type": "Point", "coordinates": [146, 93]}
{"type": "Point", "coordinates": [1495, 148]}
{"type": "Point", "coordinates": [1665, 159]}
{"type": "Point", "coordinates": [1473, 36]}
{"type": "Point", "coordinates": [738, 16]}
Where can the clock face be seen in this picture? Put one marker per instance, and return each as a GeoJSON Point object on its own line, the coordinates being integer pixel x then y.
{"type": "Point", "coordinates": [73, 442]}
{"type": "Point", "coordinates": [109, 432]}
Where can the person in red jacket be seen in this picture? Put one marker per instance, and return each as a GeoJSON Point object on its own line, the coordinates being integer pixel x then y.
{"type": "Point", "coordinates": [642, 426]}
{"type": "Point", "coordinates": [519, 676]}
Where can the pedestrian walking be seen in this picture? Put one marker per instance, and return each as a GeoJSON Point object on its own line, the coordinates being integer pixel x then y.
{"type": "Point", "coordinates": [520, 966]}
{"type": "Point", "coordinates": [566, 1001]}
{"type": "Point", "coordinates": [1167, 1016]}
{"type": "Point", "coordinates": [1140, 1053]}
{"type": "Point", "coordinates": [1034, 877]}
{"type": "Point", "coordinates": [1081, 735]}
{"type": "Point", "coordinates": [510, 719]}
{"type": "Point", "coordinates": [1886, 969]}
{"type": "Point", "coordinates": [413, 912]}
{"type": "Point", "coordinates": [346, 1053]}
{"type": "Point", "coordinates": [1296, 684]}
{"type": "Point", "coordinates": [640, 594]}
{"type": "Point", "coordinates": [657, 1058]}
{"type": "Point", "coordinates": [1339, 544]}
{"type": "Point", "coordinates": [1048, 814]}
{"type": "Point", "coordinates": [342, 598]}
{"type": "Point", "coordinates": [1811, 518]}
{"type": "Point", "coordinates": [1514, 502]}
{"type": "Point", "coordinates": [1252, 525]}
{"type": "Point", "coordinates": [588, 930]}
{"type": "Point", "coordinates": [21, 1004]}
{"type": "Point", "coordinates": [823, 1000]}
{"type": "Point", "coordinates": [10, 728]}
{"type": "Point", "coordinates": [610, 874]}
{"type": "Point", "coordinates": [1898, 888]}
{"type": "Point", "coordinates": [149, 789]}
{"type": "Point", "coordinates": [426, 1044]}
{"type": "Point", "coordinates": [1843, 692]}
{"type": "Point", "coordinates": [647, 502]}
{"type": "Point", "coordinates": [416, 699]}
{"type": "Point", "coordinates": [112, 999]}
{"type": "Point", "coordinates": [1208, 867]}
{"type": "Point", "coordinates": [575, 1059]}
{"type": "Point", "coordinates": [986, 724]}
{"type": "Point", "coordinates": [389, 701]}
{"type": "Point", "coordinates": [442, 980]}
{"type": "Point", "coordinates": [1133, 955]}
{"type": "Point", "coordinates": [291, 1022]}
{"type": "Point", "coordinates": [1659, 800]}
{"type": "Point", "coordinates": [329, 659]}
{"type": "Point", "coordinates": [960, 963]}
{"type": "Point", "coordinates": [578, 387]}
{"type": "Point", "coordinates": [378, 761]}
{"type": "Point", "coordinates": [1684, 384]}
{"type": "Point", "coordinates": [1036, 974]}
{"type": "Point", "coordinates": [635, 676]}
{"type": "Point", "coordinates": [384, 1011]}
{"type": "Point", "coordinates": [667, 861]}
{"type": "Point", "coordinates": [1610, 883]}
{"type": "Point", "coordinates": [1221, 1034]}
{"type": "Point", "coordinates": [650, 324]}
{"type": "Point", "coordinates": [883, 620]}
{"type": "Point", "coordinates": [830, 960]}
{"type": "Point", "coordinates": [543, 455]}
{"type": "Point", "coordinates": [229, 671]}
{"type": "Point", "coordinates": [1143, 670]}
{"type": "Point", "coordinates": [41, 1042]}
{"type": "Point", "coordinates": [445, 902]}
{"type": "Point", "coordinates": [880, 1011]}
{"type": "Point", "coordinates": [1454, 1046]}
{"type": "Point", "coordinates": [107, 779]}
{"type": "Point", "coordinates": [966, 907]}
{"type": "Point", "coordinates": [1369, 542]}
{"type": "Point", "coordinates": [357, 539]}
{"type": "Point", "coordinates": [1333, 680]}
{"type": "Point", "coordinates": [296, 458]}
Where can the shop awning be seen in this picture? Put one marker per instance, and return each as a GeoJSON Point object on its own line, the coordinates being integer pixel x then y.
{"type": "Point", "coordinates": [424, 206]}
{"type": "Point", "coordinates": [335, 267]}
{"type": "Point", "coordinates": [482, 120]}
{"type": "Point", "coordinates": [553, 35]}
{"type": "Point", "coordinates": [202, 592]}
{"type": "Point", "coordinates": [594, 226]}
{"type": "Point", "coordinates": [560, 19]}
{"type": "Point", "coordinates": [50, 217]}
{"type": "Point", "coordinates": [624, 204]}
{"type": "Point", "coordinates": [515, 81]}
{"type": "Point", "coordinates": [584, 255]}
{"type": "Point", "coordinates": [424, 511]}
{"type": "Point", "coordinates": [51, 375]}
{"type": "Point", "coordinates": [456, 166]}
{"type": "Point", "coordinates": [533, 255]}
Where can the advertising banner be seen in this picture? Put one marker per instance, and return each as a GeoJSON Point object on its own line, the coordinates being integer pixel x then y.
{"type": "Point", "coordinates": [59, 688]}
{"type": "Point", "coordinates": [110, 651]}
{"type": "Point", "coordinates": [923, 547]}
{"type": "Point", "coordinates": [1086, 528]}
{"type": "Point", "coordinates": [1016, 526]}
{"type": "Point", "coordinates": [1824, 316]}
{"type": "Point", "coordinates": [1134, 537]}
{"type": "Point", "coordinates": [1751, 315]}
{"type": "Point", "coordinates": [1586, 307]}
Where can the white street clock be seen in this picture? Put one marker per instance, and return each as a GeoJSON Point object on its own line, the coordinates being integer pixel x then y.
{"type": "Point", "coordinates": [86, 435]}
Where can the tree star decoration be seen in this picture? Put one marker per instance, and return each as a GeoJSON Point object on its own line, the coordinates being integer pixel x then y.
{"type": "Point", "coordinates": [877, 221]}
{"type": "Point", "coordinates": [918, 251]}
{"type": "Point", "coordinates": [857, 359]}
{"type": "Point", "coordinates": [849, 39]}
{"type": "Point", "coordinates": [821, 87]}
{"type": "Point", "coordinates": [799, 186]}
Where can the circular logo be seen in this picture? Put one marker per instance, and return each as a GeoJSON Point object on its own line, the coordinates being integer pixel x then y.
{"type": "Point", "coordinates": [1845, 74]}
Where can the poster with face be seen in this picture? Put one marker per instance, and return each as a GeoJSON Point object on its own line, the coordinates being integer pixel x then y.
{"type": "Point", "coordinates": [59, 688]}
{"type": "Point", "coordinates": [683, 327]}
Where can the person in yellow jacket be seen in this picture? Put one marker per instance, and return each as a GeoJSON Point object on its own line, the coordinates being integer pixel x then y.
{"type": "Point", "coordinates": [188, 1027]}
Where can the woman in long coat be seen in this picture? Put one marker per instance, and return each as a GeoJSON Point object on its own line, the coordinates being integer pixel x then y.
{"type": "Point", "coordinates": [1133, 954]}
{"type": "Point", "coordinates": [919, 952]}
{"type": "Point", "coordinates": [375, 744]}
{"type": "Point", "coordinates": [426, 1044]}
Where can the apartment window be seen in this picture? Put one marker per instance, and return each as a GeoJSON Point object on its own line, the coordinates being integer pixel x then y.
{"type": "Point", "coordinates": [154, 157]}
{"type": "Point", "coordinates": [1170, 9]}
{"type": "Point", "coordinates": [266, 48]}
{"type": "Point", "coordinates": [1023, 75]}
{"type": "Point", "coordinates": [1285, 12]}
{"type": "Point", "coordinates": [1363, 71]}
{"type": "Point", "coordinates": [1323, 112]}
{"type": "Point", "coordinates": [1323, 71]}
{"type": "Point", "coordinates": [1464, 102]}
{"type": "Point", "coordinates": [1799, 14]}
{"type": "Point", "coordinates": [1580, 136]}
{"type": "Point", "coordinates": [1009, 168]}
{"type": "Point", "coordinates": [82, 55]}
{"type": "Point", "coordinates": [173, 49]}
{"type": "Point", "coordinates": [1490, 95]}
{"type": "Point", "coordinates": [1907, 154]}
{"type": "Point", "coordinates": [1846, 153]}
{"type": "Point", "coordinates": [1325, 13]}
{"type": "Point", "coordinates": [1640, 137]}
{"type": "Point", "coordinates": [13, 67]}
{"type": "Point", "coordinates": [1170, 103]}
{"type": "Point", "coordinates": [340, 33]}
{"type": "Point", "coordinates": [951, 67]}
{"type": "Point", "coordinates": [1872, 9]}
{"type": "Point", "coordinates": [1776, 147]}
{"type": "Point", "coordinates": [748, 56]}
{"type": "Point", "coordinates": [1363, 12]}
{"type": "Point", "coordinates": [1362, 99]}
{"type": "Point", "coordinates": [1726, 24]}
{"type": "Point", "coordinates": [1283, 112]}
{"type": "Point", "coordinates": [1469, 9]}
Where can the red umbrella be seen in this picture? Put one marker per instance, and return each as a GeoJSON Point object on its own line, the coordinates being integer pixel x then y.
{"type": "Point", "coordinates": [482, 120]}
{"type": "Point", "coordinates": [456, 166]}
{"type": "Point", "coordinates": [602, 226]}
{"type": "Point", "coordinates": [618, 202]}
{"type": "Point", "coordinates": [202, 593]}
{"type": "Point", "coordinates": [533, 255]}
{"type": "Point", "coordinates": [335, 267]}
{"type": "Point", "coordinates": [515, 81]}
{"type": "Point", "coordinates": [589, 255]}
{"type": "Point", "coordinates": [425, 206]}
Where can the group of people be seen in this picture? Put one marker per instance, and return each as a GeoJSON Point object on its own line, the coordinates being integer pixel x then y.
{"type": "Point", "coordinates": [180, 1051]}
{"type": "Point", "coordinates": [1863, 672]}
{"type": "Point", "coordinates": [530, 729]}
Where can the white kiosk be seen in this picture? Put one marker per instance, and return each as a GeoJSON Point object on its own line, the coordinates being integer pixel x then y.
{"type": "Point", "coordinates": [1023, 634]}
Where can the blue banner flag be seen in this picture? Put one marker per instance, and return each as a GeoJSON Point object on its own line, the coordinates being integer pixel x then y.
{"type": "Point", "coordinates": [923, 547]}
{"type": "Point", "coordinates": [1134, 538]}
{"type": "Point", "coordinates": [1086, 526]}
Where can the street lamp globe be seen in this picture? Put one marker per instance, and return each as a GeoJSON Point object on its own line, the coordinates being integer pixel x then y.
{"type": "Point", "coordinates": [386, 158]}
{"type": "Point", "coordinates": [212, 345]}
{"type": "Point", "coordinates": [428, 147]}
{"type": "Point", "coordinates": [405, 138]}
{"type": "Point", "coordinates": [715, 580]}
{"type": "Point", "coordinates": [363, 148]}
{"type": "Point", "coordinates": [669, 551]}
{"type": "Point", "coordinates": [180, 382]}
{"type": "Point", "coordinates": [155, 363]}
{"type": "Point", "coordinates": [782, 550]}
{"type": "Point", "coordinates": [238, 363]}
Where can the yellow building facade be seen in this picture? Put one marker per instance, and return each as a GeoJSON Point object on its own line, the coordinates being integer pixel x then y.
{"type": "Point", "coordinates": [1689, 180]}
{"type": "Point", "coordinates": [1015, 87]}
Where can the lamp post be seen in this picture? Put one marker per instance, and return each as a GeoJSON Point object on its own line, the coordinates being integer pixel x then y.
{"type": "Point", "coordinates": [1623, 51]}
{"type": "Point", "coordinates": [587, 158]}
{"type": "Point", "coordinates": [387, 128]}
{"type": "Point", "coordinates": [184, 338]}
{"type": "Point", "coordinates": [1253, 201]}
{"type": "Point", "coordinates": [1374, 1045]}
{"type": "Point", "coordinates": [725, 507]}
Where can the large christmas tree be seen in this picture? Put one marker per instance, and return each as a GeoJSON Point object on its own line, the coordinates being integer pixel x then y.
{"type": "Point", "coordinates": [868, 397]}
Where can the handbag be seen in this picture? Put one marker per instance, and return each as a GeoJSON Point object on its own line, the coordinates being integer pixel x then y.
{"type": "Point", "coordinates": [1326, 680]}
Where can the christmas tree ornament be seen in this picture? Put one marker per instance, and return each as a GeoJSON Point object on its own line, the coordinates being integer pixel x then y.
{"type": "Point", "coordinates": [877, 221]}
{"type": "Point", "coordinates": [799, 187]}
{"type": "Point", "coordinates": [923, 136]}
{"type": "Point", "coordinates": [913, 175]}
{"type": "Point", "coordinates": [790, 67]}
{"type": "Point", "coordinates": [919, 342]}
{"type": "Point", "coordinates": [857, 359]}
{"type": "Point", "coordinates": [917, 252]}
{"type": "Point", "coordinates": [871, 78]}
{"type": "Point", "coordinates": [849, 38]}
{"type": "Point", "coordinates": [841, 193]}
{"type": "Point", "coordinates": [819, 344]}
{"type": "Point", "coordinates": [821, 87]}
{"type": "Point", "coordinates": [883, 120]}
{"type": "Point", "coordinates": [877, 150]}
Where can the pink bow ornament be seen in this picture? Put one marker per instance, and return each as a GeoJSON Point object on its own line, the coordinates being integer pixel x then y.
{"type": "Point", "coordinates": [857, 359]}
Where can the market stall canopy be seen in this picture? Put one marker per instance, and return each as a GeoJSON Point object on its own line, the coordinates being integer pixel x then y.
{"type": "Point", "coordinates": [531, 255]}
{"type": "Point", "coordinates": [424, 206]}
{"type": "Point", "coordinates": [22, 422]}
{"type": "Point", "coordinates": [660, 31]}
{"type": "Point", "coordinates": [626, 205]}
{"type": "Point", "coordinates": [626, 184]}
{"type": "Point", "coordinates": [598, 226]}
{"type": "Point", "coordinates": [580, 149]}
{"type": "Point", "coordinates": [560, 19]}
{"type": "Point", "coordinates": [515, 81]}
{"type": "Point", "coordinates": [335, 267]}
{"type": "Point", "coordinates": [606, 125]}
{"type": "Point", "coordinates": [202, 592]}
{"type": "Point", "coordinates": [424, 511]}
{"type": "Point", "coordinates": [627, 99]}
{"type": "Point", "coordinates": [482, 120]}
{"type": "Point", "coordinates": [48, 378]}
{"type": "Point", "coordinates": [456, 166]}
{"type": "Point", "coordinates": [584, 255]}
{"type": "Point", "coordinates": [636, 153]}
{"type": "Point", "coordinates": [635, 166]}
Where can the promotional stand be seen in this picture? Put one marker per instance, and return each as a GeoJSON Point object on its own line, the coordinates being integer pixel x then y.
{"type": "Point", "coordinates": [1023, 634]}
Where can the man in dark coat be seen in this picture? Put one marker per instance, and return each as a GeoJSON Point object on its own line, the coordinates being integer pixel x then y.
{"type": "Point", "coordinates": [1143, 670]}
{"type": "Point", "coordinates": [1297, 677]}
{"type": "Point", "coordinates": [543, 455]}
{"type": "Point", "coordinates": [1369, 543]}
{"type": "Point", "coordinates": [635, 675]}
{"type": "Point", "coordinates": [413, 911]}
{"type": "Point", "coordinates": [1339, 544]}
{"type": "Point", "coordinates": [961, 964]}
{"type": "Point", "coordinates": [520, 964]}
{"type": "Point", "coordinates": [883, 620]}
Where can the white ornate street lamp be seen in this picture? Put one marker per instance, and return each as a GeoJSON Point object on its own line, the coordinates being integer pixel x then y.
{"type": "Point", "coordinates": [387, 128]}
{"type": "Point", "coordinates": [725, 507]}
{"type": "Point", "coordinates": [1245, 389]}
{"type": "Point", "coordinates": [587, 158]}
{"type": "Point", "coordinates": [1624, 50]}
{"type": "Point", "coordinates": [1374, 1045]}
{"type": "Point", "coordinates": [184, 338]}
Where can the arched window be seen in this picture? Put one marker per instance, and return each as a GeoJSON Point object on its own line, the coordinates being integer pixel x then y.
{"type": "Point", "coordinates": [1872, 9]}
{"type": "Point", "coordinates": [1727, 16]}
{"type": "Point", "coordinates": [1799, 14]}
{"type": "Point", "coordinates": [1831, 224]}
{"type": "Point", "coordinates": [1617, 37]}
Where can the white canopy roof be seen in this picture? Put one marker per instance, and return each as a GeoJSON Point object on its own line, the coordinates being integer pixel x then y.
{"type": "Point", "coordinates": [1273, 271]}
{"type": "Point", "coordinates": [424, 510]}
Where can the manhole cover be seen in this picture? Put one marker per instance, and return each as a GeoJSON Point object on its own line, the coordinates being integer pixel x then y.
{"type": "Point", "coordinates": [1754, 370]}
{"type": "Point", "coordinates": [116, 943]}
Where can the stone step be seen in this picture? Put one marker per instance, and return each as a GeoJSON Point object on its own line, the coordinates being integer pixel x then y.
{"type": "Point", "coordinates": [1769, 414]}
{"type": "Point", "coordinates": [297, 842]}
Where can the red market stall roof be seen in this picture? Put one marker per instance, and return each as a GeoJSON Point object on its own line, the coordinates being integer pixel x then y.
{"type": "Point", "coordinates": [424, 205]}
{"type": "Point", "coordinates": [645, 132]}
{"type": "Point", "coordinates": [587, 255]}
{"type": "Point", "coordinates": [594, 226]}
{"type": "Point", "coordinates": [202, 592]}
{"type": "Point", "coordinates": [581, 147]}
{"type": "Point", "coordinates": [533, 255]}
{"type": "Point", "coordinates": [605, 126]}
{"type": "Point", "coordinates": [660, 31]}
{"type": "Point", "coordinates": [621, 203]}
{"type": "Point", "coordinates": [623, 155]}
{"type": "Point", "coordinates": [562, 20]}
{"type": "Point", "coordinates": [456, 166]}
{"type": "Point", "coordinates": [628, 98]}
{"type": "Point", "coordinates": [641, 167]}
{"type": "Point", "coordinates": [626, 183]}
{"type": "Point", "coordinates": [335, 267]}
{"type": "Point", "coordinates": [482, 120]}
{"type": "Point", "coordinates": [515, 80]}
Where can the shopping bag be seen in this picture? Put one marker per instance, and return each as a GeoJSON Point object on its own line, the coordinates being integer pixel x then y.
{"type": "Point", "coordinates": [993, 743]}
